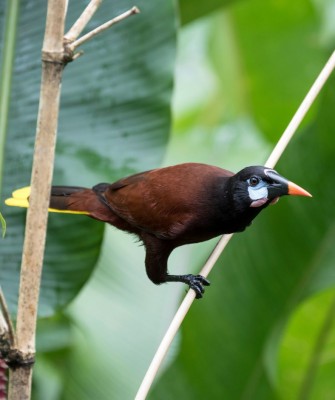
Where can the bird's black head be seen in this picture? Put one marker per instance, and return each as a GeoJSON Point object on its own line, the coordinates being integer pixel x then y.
{"type": "Point", "coordinates": [259, 186]}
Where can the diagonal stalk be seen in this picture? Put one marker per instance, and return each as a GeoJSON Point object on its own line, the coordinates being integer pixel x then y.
{"type": "Point", "coordinates": [271, 162]}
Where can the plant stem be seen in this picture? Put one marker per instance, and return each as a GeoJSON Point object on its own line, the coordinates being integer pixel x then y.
{"type": "Point", "coordinates": [82, 21]}
{"type": "Point", "coordinates": [37, 215]}
{"type": "Point", "coordinates": [103, 27]}
{"type": "Point", "coordinates": [11, 18]}
{"type": "Point", "coordinates": [7, 322]}
{"type": "Point", "coordinates": [221, 245]}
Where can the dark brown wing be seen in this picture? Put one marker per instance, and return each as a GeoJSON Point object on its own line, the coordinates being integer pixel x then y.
{"type": "Point", "coordinates": [164, 201]}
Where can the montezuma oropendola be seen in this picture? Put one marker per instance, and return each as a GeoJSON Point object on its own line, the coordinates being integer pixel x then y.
{"type": "Point", "coordinates": [173, 206]}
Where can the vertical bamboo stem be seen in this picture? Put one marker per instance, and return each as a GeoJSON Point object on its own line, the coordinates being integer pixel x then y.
{"type": "Point", "coordinates": [35, 233]}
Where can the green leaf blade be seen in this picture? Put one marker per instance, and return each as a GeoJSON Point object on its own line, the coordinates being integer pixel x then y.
{"type": "Point", "coordinates": [114, 121]}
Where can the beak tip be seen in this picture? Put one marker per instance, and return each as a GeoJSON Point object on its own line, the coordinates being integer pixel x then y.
{"type": "Point", "coordinates": [296, 190]}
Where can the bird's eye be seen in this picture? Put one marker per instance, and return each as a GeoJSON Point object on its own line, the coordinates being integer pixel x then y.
{"type": "Point", "coordinates": [254, 181]}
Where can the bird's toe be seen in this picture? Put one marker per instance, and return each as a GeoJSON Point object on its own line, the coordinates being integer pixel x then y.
{"type": "Point", "coordinates": [197, 283]}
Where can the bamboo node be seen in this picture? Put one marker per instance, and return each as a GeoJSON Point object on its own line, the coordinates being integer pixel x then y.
{"type": "Point", "coordinates": [15, 358]}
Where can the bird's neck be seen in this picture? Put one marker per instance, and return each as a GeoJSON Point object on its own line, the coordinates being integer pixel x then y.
{"type": "Point", "coordinates": [236, 213]}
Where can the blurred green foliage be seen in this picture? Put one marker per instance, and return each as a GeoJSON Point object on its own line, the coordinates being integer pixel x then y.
{"type": "Point", "coordinates": [265, 327]}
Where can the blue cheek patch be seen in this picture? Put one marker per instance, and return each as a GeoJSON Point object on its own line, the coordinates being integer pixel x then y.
{"type": "Point", "coordinates": [258, 192]}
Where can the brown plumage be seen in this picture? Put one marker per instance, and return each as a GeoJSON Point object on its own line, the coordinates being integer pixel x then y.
{"type": "Point", "coordinates": [178, 205]}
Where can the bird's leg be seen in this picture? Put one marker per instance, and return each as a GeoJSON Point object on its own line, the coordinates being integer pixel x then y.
{"type": "Point", "coordinates": [157, 254]}
{"type": "Point", "coordinates": [195, 282]}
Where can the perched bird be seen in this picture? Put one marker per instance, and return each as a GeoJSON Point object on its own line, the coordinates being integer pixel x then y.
{"type": "Point", "coordinates": [173, 206]}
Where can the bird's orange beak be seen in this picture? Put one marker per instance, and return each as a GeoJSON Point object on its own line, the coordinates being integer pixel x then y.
{"type": "Point", "coordinates": [296, 190]}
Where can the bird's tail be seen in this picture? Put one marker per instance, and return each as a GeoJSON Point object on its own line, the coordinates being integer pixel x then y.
{"type": "Point", "coordinates": [63, 199]}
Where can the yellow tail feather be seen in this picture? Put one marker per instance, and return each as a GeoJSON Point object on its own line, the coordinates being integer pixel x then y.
{"type": "Point", "coordinates": [20, 199]}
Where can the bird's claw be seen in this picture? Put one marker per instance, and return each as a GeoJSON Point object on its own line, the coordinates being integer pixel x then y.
{"type": "Point", "coordinates": [197, 283]}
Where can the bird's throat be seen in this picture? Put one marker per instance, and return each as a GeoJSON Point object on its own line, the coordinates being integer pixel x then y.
{"type": "Point", "coordinates": [259, 202]}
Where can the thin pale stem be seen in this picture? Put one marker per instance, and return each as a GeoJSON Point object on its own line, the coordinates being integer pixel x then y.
{"type": "Point", "coordinates": [37, 214]}
{"type": "Point", "coordinates": [6, 322]}
{"type": "Point", "coordinates": [82, 21]}
{"type": "Point", "coordinates": [189, 298]}
{"type": "Point", "coordinates": [3, 326]}
{"type": "Point", "coordinates": [103, 27]}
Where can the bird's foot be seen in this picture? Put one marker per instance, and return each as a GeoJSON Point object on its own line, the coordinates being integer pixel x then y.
{"type": "Point", "coordinates": [195, 282]}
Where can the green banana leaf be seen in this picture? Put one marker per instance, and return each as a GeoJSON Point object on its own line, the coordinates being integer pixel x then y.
{"type": "Point", "coordinates": [192, 10]}
{"type": "Point", "coordinates": [306, 362]}
{"type": "Point", "coordinates": [114, 120]}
